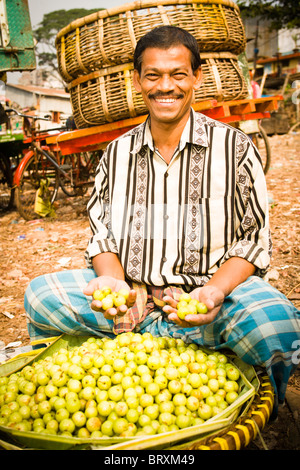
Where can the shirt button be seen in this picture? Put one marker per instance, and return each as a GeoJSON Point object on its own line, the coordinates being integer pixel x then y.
{"type": "Point", "coordinates": [166, 216]}
{"type": "Point", "coordinates": [164, 259]}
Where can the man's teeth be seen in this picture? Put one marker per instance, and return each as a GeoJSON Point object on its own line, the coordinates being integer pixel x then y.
{"type": "Point", "coordinates": [166, 100]}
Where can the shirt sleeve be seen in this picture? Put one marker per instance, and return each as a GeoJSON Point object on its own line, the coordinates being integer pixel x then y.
{"type": "Point", "coordinates": [252, 236]}
{"type": "Point", "coordinates": [99, 214]}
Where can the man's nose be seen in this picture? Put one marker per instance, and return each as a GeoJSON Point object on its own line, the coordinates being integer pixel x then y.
{"type": "Point", "coordinates": [166, 83]}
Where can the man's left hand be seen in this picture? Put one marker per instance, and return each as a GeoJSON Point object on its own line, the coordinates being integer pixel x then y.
{"type": "Point", "coordinates": [213, 298]}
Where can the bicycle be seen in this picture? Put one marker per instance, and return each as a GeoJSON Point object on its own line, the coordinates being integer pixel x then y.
{"type": "Point", "coordinates": [41, 163]}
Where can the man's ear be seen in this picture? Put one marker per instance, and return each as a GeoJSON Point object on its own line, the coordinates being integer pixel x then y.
{"type": "Point", "coordinates": [198, 78]}
{"type": "Point", "coordinates": [136, 81]}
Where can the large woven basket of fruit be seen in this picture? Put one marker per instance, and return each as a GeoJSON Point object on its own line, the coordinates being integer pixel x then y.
{"type": "Point", "coordinates": [133, 392]}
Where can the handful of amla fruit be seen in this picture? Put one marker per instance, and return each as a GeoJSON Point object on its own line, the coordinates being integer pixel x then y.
{"type": "Point", "coordinates": [189, 306]}
{"type": "Point", "coordinates": [185, 306]}
{"type": "Point", "coordinates": [109, 298]}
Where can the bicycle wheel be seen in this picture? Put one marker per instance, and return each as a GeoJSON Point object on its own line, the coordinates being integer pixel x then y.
{"type": "Point", "coordinates": [80, 169]}
{"type": "Point", "coordinates": [6, 184]}
{"type": "Point", "coordinates": [71, 165]}
{"type": "Point", "coordinates": [90, 162]}
{"type": "Point", "coordinates": [35, 169]}
{"type": "Point", "coordinates": [262, 143]}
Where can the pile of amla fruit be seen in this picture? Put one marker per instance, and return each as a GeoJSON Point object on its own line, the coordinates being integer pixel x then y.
{"type": "Point", "coordinates": [130, 385]}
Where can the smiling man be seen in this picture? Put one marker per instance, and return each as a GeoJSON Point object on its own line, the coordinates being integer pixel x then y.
{"type": "Point", "coordinates": [179, 204]}
{"type": "Point", "coordinates": [167, 79]}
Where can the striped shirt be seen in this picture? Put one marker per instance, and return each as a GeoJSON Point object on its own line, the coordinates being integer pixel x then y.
{"type": "Point", "coordinates": [176, 223]}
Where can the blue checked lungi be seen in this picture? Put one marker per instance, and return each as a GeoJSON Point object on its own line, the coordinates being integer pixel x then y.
{"type": "Point", "coordinates": [256, 321]}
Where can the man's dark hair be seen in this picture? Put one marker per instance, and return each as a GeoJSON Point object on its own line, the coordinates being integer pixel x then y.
{"type": "Point", "coordinates": [165, 37]}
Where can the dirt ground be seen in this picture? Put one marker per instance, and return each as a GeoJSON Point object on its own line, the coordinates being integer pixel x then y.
{"type": "Point", "coordinates": [29, 249]}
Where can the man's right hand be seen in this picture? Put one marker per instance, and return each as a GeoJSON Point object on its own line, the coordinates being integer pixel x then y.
{"type": "Point", "coordinates": [115, 285]}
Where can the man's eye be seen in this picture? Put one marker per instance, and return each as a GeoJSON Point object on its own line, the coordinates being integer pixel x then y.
{"type": "Point", "coordinates": [179, 75]}
{"type": "Point", "coordinates": [151, 76]}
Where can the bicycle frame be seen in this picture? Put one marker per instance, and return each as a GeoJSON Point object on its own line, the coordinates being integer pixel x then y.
{"type": "Point", "coordinates": [44, 150]}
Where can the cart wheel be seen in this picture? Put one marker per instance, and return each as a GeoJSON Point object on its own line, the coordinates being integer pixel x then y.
{"type": "Point", "coordinates": [6, 184]}
{"type": "Point", "coordinates": [262, 143]}
{"type": "Point", "coordinates": [36, 169]}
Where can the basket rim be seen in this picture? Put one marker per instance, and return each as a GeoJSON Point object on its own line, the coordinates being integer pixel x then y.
{"type": "Point", "coordinates": [129, 66]}
{"type": "Point", "coordinates": [137, 5]}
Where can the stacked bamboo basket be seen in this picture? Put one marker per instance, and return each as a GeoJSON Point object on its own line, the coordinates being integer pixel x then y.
{"type": "Point", "coordinates": [95, 55]}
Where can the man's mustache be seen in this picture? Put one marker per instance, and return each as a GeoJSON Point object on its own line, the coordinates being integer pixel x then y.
{"type": "Point", "coordinates": [165, 95]}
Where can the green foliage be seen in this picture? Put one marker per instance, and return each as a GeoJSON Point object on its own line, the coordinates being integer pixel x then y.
{"type": "Point", "coordinates": [281, 13]}
{"type": "Point", "coordinates": [56, 20]}
{"type": "Point", "coordinates": [47, 58]}
{"type": "Point", "coordinates": [46, 32]}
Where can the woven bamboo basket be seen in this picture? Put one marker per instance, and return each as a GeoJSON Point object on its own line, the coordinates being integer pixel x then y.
{"type": "Point", "coordinates": [232, 430]}
{"type": "Point", "coordinates": [109, 37]}
{"type": "Point", "coordinates": [109, 95]}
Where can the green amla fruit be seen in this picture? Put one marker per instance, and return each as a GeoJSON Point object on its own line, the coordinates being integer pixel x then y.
{"type": "Point", "coordinates": [189, 306]}
{"type": "Point", "coordinates": [109, 298]}
{"type": "Point", "coordinates": [131, 385]}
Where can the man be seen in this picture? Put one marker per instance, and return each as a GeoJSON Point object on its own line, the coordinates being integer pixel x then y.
{"type": "Point", "coordinates": [179, 204]}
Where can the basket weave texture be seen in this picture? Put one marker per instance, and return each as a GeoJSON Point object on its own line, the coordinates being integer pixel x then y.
{"type": "Point", "coordinates": [109, 37]}
{"type": "Point", "coordinates": [109, 95]}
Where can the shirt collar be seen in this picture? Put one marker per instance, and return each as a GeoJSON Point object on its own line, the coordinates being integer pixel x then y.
{"type": "Point", "coordinates": [194, 133]}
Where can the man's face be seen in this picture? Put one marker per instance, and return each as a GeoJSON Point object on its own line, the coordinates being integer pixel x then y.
{"type": "Point", "coordinates": [167, 83]}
